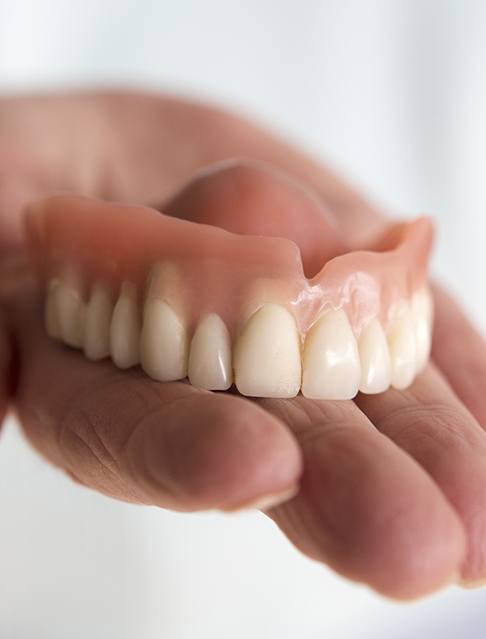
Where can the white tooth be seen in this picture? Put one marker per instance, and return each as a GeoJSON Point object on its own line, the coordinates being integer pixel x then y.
{"type": "Point", "coordinates": [210, 355]}
{"type": "Point", "coordinates": [71, 311]}
{"type": "Point", "coordinates": [267, 354]}
{"type": "Point", "coordinates": [163, 344]}
{"type": "Point", "coordinates": [51, 310]}
{"type": "Point", "coordinates": [422, 317]}
{"type": "Point", "coordinates": [125, 328]}
{"type": "Point", "coordinates": [97, 326]}
{"type": "Point", "coordinates": [331, 359]}
{"type": "Point", "coordinates": [401, 341]}
{"type": "Point", "coordinates": [375, 359]}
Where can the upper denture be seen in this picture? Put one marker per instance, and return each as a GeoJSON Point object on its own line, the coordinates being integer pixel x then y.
{"type": "Point", "coordinates": [185, 272]}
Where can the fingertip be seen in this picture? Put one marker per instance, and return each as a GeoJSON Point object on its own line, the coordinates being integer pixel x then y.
{"type": "Point", "coordinates": [414, 549]}
{"type": "Point", "coordinates": [214, 451]}
{"type": "Point", "coordinates": [372, 514]}
{"type": "Point", "coordinates": [425, 565]}
{"type": "Point", "coordinates": [410, 550]}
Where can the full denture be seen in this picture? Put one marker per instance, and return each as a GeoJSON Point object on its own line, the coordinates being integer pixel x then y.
{"type": "Point", "coordinates": [188, 299]}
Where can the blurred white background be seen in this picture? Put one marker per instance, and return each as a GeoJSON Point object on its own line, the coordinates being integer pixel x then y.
{"type": "Point", "coordinates": [392, 93]}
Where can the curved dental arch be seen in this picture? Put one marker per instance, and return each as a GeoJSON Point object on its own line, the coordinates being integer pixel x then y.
{"type": "Point", "coordinates": [185, 299]}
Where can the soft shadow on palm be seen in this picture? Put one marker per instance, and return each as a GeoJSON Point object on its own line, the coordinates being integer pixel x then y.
{"type": "Point", "coordinates": [390, 486]}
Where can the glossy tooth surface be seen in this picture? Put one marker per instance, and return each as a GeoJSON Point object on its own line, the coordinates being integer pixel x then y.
{"type": "Point", "coordinates": [422, 318]}
{"type": "Point", "coordinates": [51, 310]}
{"type": "Point", "coordinates": [163, 344]}
{"type": "Point", "coordinates": [125, 328]}
{"type": "Point", "coordinates": [71, 312]}
{"type": "Point", "coordinates": [401, 342]}
{"type": "Point", "coordinates": [331, 359]}
{"type": "Point", "coordinates": [210, 355]}
{"type": "Point", "coordinates": [97, 325]}
{"type": "Point", "coordinates": [375, 359]}
{"type": "Point", "coordinates": [267, 354]}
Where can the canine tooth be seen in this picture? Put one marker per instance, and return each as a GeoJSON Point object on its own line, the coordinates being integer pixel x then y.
{"type": "Point", "coordinates": [422, 318]}
{"type": "Point", "coordinates": [375, 359]}
{"type": "Point", "coordinates": [210, 355]}
{"type": "Point", "coordinates": [97, 326]}
{"type": "Point", "coordinates": [71, 310]}
{"type": "Point", "coordinates": [401, 341]}
{"type": "Point", "coordinates": [163, 343]}
{"type": "Point", "coordinates": [125, 328]}
{"type": "Point", "coordinates": [267, 354]}
{"type": "Point", "coordinates": [51, 310]}
{"type": "Point", "coordinates": [331, 359]}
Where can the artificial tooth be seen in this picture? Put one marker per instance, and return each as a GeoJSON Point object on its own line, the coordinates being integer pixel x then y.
{"type": "Point", "coordinates": [163, 343]}
{"type": "Point", "coordinates": [71, 311]}
{"type": "Point", "coordinates": [125, 328]}
{"type": "Point", "coordinates": [267, 354]}
{"type": "Point", "coordinates": [210, 355]}
{"type": "Point", "coordinates": [401, 342]}
{"type": "Point", "coordinates": [375, 359]}
{"type": "Point", "coordinates": [99, 311]}
{"type": "Point", "coordinates": [422, 317]}
{"type": "Point", "coordinates": [51, 310]}
{"type": "Point", "coordinates": [331, 360]}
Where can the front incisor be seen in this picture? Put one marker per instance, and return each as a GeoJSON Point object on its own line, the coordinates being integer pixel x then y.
{"type": "Point", "coordinates": [267, 354]}
{"type": "Point", "coordinates": [163, 343]}
{"type": "Point", "coordinates": [375, 359]}
{"type": "Point", "coordinates": [331, 360]}
{"type": "Point", "coordinates": [210, 355]}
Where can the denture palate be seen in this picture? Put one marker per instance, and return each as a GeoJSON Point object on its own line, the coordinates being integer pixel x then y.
{"type": "Point", "coordinates": [184, 299]}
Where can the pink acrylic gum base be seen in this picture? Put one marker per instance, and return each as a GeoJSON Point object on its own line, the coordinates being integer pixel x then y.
{"type": "Point", "coordinates": [206, 269]}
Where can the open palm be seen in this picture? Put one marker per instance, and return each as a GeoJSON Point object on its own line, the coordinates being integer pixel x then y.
{"type": "Point", "coordinates": [390, 487]}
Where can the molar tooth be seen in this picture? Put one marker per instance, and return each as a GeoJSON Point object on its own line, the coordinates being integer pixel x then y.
{"type": "Point", "coordinates": [401, 341]}
{"type": "Point", "coordinates": [375, 359]}
{"type": "Point", "coordinates": [210, 355]}
{"type": "Point", "coordinates": [71, 311]}
{"type": "Point", "coordinates": [163, 343]}
{"type": "Point", "coordinates": [331, 359]}
{"type": "Point", "coordinates": [51, 310]}
{"type": "Point", "coordinates": [97, 326]}
{"type": "Point", "coordinates": [125, 328]}
{"type": "Point", "coordinates": [267, 354]}
{"type": "Point", "coordinates": [422, 317]}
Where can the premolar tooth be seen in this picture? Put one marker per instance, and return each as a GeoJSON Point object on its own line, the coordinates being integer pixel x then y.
{"type": "Point", "coordinates": [210, 355]}
{"type": "Point", "coordinates": [51, 310]}
{"type": "Point", "coordinates": [401, 341]}
{"type": "Point", "coordinates": [97, 326]}
{"type": "Point", "coordinates": [331, 359]}
{"type": "Point", "coordinates": [125, 328]}
{"type": "Point", "coordinates": [163, 343]}
{"type": "Point", "coordinates": [422, 317]}
{"type": "Point", "coordinates": [267, 354]}
{"type": "Point", "coordinates": [375, 359]}
{"type": "Point", "coordinates": [71, 311]}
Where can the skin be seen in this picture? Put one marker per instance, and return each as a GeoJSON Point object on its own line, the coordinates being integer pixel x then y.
{"type": "Point", "coordinates": [389, 487]}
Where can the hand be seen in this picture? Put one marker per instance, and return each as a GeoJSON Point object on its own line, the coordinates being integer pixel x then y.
{"type": "Point", "coordinates": [390, 486]}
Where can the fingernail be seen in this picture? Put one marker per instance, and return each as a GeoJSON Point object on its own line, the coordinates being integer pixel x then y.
{"type": "Point", "coordinates": [472, 585]}
{"type": "Point", "coordinates": [265, 502]}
